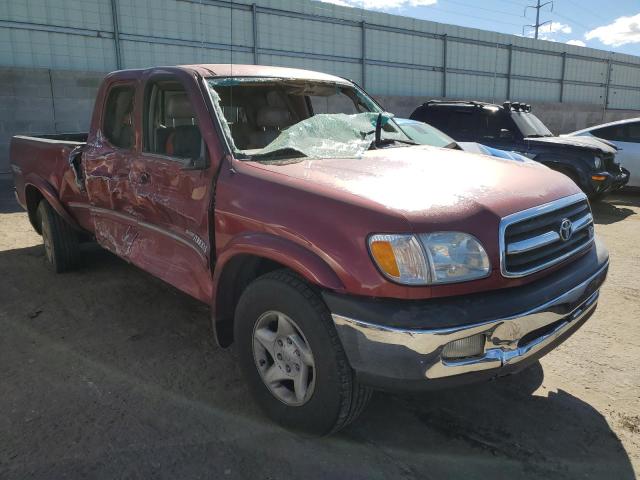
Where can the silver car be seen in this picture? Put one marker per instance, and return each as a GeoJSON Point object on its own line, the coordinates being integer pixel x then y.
{"type": "Point", "coordinates": [625, 135]}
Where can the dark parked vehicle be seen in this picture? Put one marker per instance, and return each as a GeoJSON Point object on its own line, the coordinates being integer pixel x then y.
{"type": "Point", "coordinates": [590, 163]}
{"type": "Point", "coordinates": [337, 256]}
{"type": "Point", "coordinates": [425, 134]}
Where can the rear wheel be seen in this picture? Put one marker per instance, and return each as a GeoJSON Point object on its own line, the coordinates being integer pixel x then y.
{"type": "Point", "coordinates": [290, 353]}
{"type": "Point", "coordinates": [61, 244]}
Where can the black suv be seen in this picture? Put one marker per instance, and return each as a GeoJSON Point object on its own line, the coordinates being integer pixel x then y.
{"type": "Point", "coordinates": [589, 162]}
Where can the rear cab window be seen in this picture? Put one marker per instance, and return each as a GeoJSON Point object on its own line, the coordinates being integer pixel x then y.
{"type": "Point", "coordinates": [338, 103]}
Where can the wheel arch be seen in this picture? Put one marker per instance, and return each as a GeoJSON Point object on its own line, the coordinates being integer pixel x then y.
{"type": "Point", "coordinates": [566, 167]}
{"type": "Point", "coordinates": [33, 196]}
{"type": "Point", "coordinates": [251, 257]}
{"type": "Point", "coordinates": [37, 189]}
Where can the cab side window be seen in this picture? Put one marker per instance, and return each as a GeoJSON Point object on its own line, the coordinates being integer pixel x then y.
{"type": "Point", "coordinates": [614, 132]}
{"type": "Point", "coordinates": [171, 125]}
{"type": "Point", "coordinates": [437, 117]}
{"type": "Point", "coordinates": [493, 125]}
{"type": "Point", "coordinates": [463, 124]}
{"type": "Point", "coordinates": [633, 132]}
{"type": "Point", "coordinates": [118, 117]}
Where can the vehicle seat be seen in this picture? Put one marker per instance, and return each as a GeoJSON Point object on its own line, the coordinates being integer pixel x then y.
{"type": "Point", "coordinates": [123, 130]}
{"type": "Point", "coordinates": [237, 121]}
{"type": "Point", "coordinates": [182, 137]}
{"type": "Point", "coordinates": [271, 120]}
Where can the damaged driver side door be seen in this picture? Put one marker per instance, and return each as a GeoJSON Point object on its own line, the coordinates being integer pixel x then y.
{"type": "Point", "coordinates": [171, 184]}
{"type": "Point", "coordinates": [106, 171]}
{"type": "Point", "coordinates": [149, 194]}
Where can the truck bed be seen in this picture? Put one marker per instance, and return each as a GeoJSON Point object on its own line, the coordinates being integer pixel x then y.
{"type": "Point", "coordinates": [72, 138]}
{"type": "Point", "coordinates": [43, 158]}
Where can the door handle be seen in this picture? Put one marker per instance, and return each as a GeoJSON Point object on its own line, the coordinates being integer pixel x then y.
{"type": "Point", "coordinates": [144, 178]}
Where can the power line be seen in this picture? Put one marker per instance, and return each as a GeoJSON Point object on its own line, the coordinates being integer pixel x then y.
{"type": "Point", "coordinates": [572, 20]}
{"type": "Point", "coordinates": [485, 9]}
{"type": "Point", "coordinates": [520, 4]}
{"type": "Point", "coordinates": [595, 14]}
{"type": "Point", "coordinates": [487, 19]}
{"type": "Point", "coordinates": [537, 7]}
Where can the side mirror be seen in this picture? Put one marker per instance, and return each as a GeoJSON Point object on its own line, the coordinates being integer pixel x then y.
{"type": "Point", "coordinates": [505, 133]}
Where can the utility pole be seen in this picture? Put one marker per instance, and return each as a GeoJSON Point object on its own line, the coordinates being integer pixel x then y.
{"type": "Point", "coordinates": [537, 7]}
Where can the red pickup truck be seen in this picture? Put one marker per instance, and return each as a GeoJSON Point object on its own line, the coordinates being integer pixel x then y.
{"type": "Point", "coordinates": [336, 255]}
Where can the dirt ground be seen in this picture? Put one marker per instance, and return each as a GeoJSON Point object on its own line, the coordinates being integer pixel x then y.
{"type": "Point", "coordinates": [109, 373]}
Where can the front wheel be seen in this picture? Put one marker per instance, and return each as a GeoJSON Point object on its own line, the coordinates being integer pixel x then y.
{"type": "Point", "coordinates": [290, 353]}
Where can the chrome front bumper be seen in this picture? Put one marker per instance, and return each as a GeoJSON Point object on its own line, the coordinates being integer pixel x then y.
{"type": "Point", "coordinates": [416, 354]}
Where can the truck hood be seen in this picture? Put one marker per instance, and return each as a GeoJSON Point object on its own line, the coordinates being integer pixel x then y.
{"type": "Point", "coordinates": [426, 184]}
{"type": "Point", "coordinates": [581, 134]}
{"type": "Point", "coordinates": [587, 143]}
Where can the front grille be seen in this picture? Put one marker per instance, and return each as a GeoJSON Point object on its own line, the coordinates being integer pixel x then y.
{"type": "Point", "coordinates": [543, 236]}
{"type": "Point", "coordinates": [609, 163]}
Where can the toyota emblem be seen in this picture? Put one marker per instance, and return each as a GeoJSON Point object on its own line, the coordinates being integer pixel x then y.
{"type": "Point", "coordinates": [566, 229]}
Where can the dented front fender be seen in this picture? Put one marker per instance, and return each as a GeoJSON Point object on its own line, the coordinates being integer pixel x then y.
{"type": "Point", "coordinates": [285, 252]}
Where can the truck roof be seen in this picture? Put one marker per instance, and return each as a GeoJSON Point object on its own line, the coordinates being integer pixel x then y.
{"type": "Point", "coordinates": [609, 124]}
{"type": "Point", "coordinates": [239, 70]}
{"type": "Point", "coordinates": [464, 103]}
{"type": "Point", "coordinates": [508, 105]}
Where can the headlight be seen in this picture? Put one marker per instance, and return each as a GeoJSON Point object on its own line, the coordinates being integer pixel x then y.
{"type": "Point", "coordinates": [597, 162]}
{"type": "Point", "coordinates": [455, 257]}
{"type": "Point", "coordinates": [431, 258]}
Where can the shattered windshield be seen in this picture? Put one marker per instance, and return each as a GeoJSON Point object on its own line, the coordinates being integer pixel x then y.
{"type": "Point", "coordinates": [530, 125]}
{"type": "Point", "coordinates": [276, 118]}
{"type": "Point", "coordinates": [424, 134]}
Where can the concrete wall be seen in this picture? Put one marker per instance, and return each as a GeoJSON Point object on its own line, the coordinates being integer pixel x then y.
{"type": "Point", "coordinates": [53, 53]}
{"type": "Point", "coordinates": [387, 54]}
{"type": "Point", "coordinates": [36, 101]}
{"type": "Point", "coordinates": [43, 101]}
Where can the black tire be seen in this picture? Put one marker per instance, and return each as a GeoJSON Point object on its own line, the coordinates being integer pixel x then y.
{"type": "Point", "coordinates": [62, 248]}
{"type": "Point", "coordinates": [337, 398]}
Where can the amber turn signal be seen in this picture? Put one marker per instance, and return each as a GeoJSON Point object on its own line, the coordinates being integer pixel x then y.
{"type": "Point", "coordinates": [598, 178]}
{"type": "Point", "coordinates": [382, 252]}
{"type": "Point", "coordinates": [400, 258]}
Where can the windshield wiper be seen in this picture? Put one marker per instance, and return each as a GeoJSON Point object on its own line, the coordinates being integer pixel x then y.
{"type": "Point", "coordinates": [379, 141]}
{"type": "Point", "coordinates": [375, 144]}
{"type": "Point", "coordinates": [386, 141]}
{"type": "Point", "coordinates": [281, 154]}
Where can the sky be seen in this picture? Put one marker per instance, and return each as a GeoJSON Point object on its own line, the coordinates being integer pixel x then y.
{"type": "Point", "coordinates": [612, 25]}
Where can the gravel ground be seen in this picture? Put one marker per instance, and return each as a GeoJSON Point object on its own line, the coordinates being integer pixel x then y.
{"type": "Point", "coordinates": [109, 373]}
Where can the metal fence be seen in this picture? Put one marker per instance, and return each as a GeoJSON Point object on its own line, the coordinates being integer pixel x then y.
{"type": "Point", "coordinates": [388, 55]}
